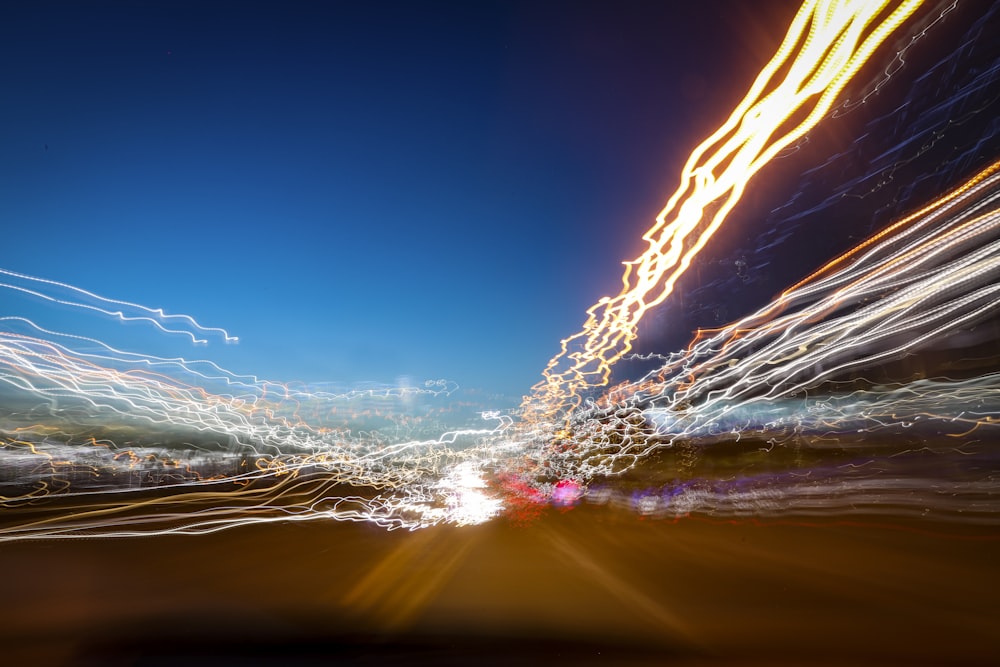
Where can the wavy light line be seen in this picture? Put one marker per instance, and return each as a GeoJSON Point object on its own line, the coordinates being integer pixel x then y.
{"type": "Point", "coordinates": [827, 43]}
{"type": "Point", "coordinates": [913, 284]}
{"type": "Point", "coordinates": [117, 444]}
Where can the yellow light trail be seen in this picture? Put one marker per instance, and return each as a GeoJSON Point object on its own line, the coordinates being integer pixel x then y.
{"type": "Point", "coordinates": [932, 274]}
{"type": "Point", "coordinates": [826, 45]}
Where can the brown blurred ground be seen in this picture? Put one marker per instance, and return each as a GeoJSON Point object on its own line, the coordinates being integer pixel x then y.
{"type": "Point", "coordinates": [591, 586]}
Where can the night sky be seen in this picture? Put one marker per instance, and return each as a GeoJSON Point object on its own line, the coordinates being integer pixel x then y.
{"type": "Point", "coordinates": [361, 192]}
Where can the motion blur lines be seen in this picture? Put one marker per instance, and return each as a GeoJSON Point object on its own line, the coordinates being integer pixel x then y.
{"type": "Point", "coordinates": [826, 45]}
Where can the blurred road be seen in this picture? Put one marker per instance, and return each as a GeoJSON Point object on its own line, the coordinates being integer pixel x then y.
{"type": "Point", "coordinates": [592, 586]}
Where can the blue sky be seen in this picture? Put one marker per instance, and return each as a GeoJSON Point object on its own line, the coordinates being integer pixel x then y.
{"type": "Point", "coordinates": [359, 191]}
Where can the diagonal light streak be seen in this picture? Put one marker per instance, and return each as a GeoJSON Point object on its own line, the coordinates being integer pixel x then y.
{"type": "Point", "coordinates": [826, 45]}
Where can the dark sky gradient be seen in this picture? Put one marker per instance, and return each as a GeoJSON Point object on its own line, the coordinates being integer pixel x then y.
{"type": "Point", "coordinates": [360, 191]}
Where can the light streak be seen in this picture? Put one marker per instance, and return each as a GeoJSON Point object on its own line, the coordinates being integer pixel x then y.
{"type": "Point", "coordinates": [826, 45]}
{"type": "Point", "coordinates": [156, 316]}
{"type": "Point", "coordinates": [791, 369]}
{"type": "Point", "coordinates": [86, 432]}
{"type": "Point", "coordinates": [103, 442]}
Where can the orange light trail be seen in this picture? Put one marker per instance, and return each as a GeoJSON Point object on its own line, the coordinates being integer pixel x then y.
{"type": "Point", "coordinates": [827, 44]}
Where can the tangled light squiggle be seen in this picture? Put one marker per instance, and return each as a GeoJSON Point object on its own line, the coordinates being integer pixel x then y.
{"type": "Point", "coordinates": [99, 441]}
{"type": "Point", "coordinates": [793, 374]}
{"type": "Point", "coordinates": [826, 45]}
{"type": "Point", "coordinates": [85, 426]}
